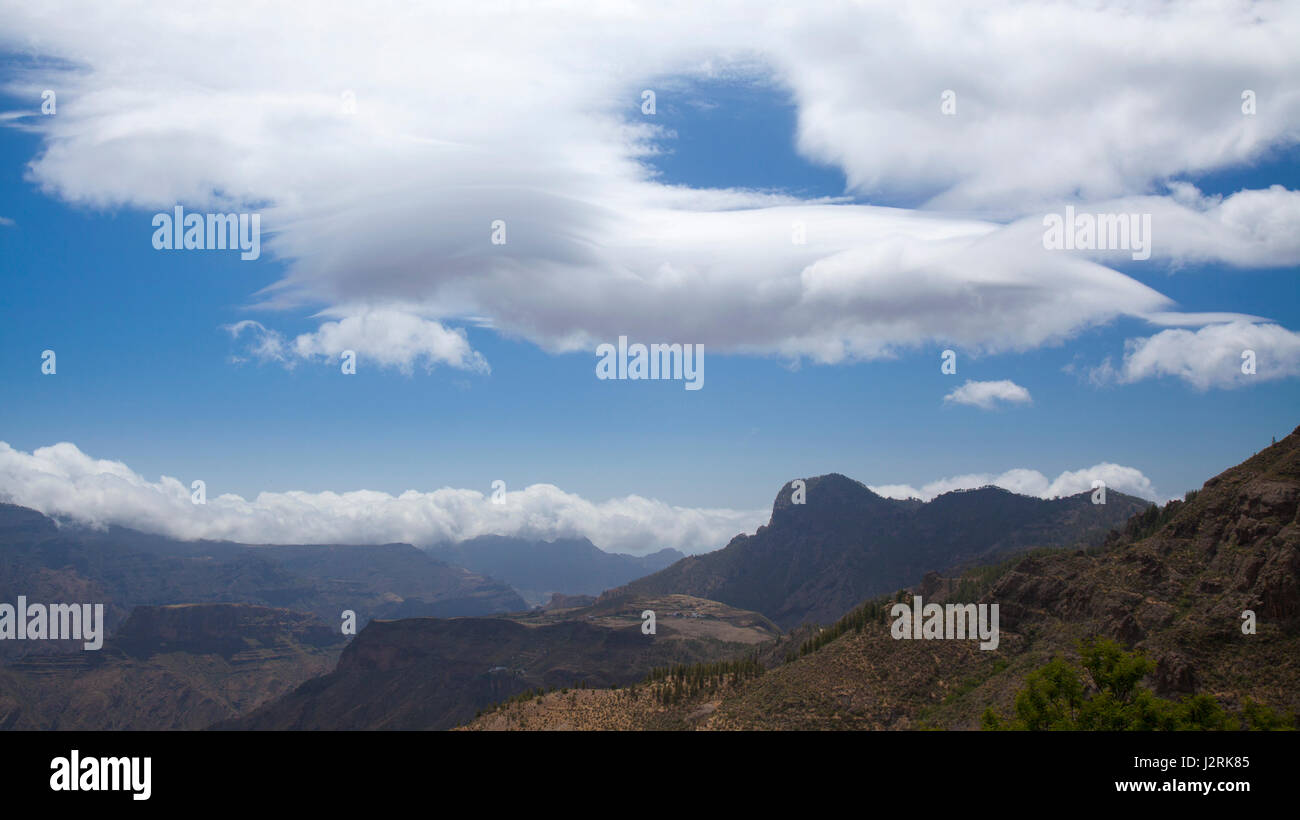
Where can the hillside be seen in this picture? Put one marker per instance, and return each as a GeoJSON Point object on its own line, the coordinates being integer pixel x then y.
{"type": "Point", "coordinates": [815, 561]}
{"type": "Point", "coordinates": [1173, 586]}
{"type": "Point", "coordinates": [173, 667]}
{"type": "Point", "coordinates": [431, 673]}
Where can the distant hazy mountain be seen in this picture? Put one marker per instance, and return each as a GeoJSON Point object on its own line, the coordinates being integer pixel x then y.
{"type": "Point", "coordinates": [817, 560]}
{"type": "Point", "coordinates": [123, 568]}
{"type": "Point", "coordinates": [537, 569]}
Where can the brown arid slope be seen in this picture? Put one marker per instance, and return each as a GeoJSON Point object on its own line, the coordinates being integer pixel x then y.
{"type": "Point", "coordinates": [1173, 586]}
{"type": "Point", "coordinates": [170, 667]}
{"type": "Point", "coordinates": [434, 673]}
{"type": "Point", "coordinates": [677, 618]}
{"type": "Point", "coordinates": [633, 708]}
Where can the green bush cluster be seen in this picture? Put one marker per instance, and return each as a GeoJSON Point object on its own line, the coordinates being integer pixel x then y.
{"type": "Point", "coordinates": [1104, 693]}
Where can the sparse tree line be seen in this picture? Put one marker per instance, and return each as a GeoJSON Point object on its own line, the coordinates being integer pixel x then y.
{"type": "Point", "coordinates": [673, 684]}
{"type": "Point", "coordinates": [668, 685]}
{"type": "Point", "coordinates": [873, 611]}
{"type": "Point", "coordinates": [1153, 519]}
{"type": "Point", "coordinates": [971, 586]}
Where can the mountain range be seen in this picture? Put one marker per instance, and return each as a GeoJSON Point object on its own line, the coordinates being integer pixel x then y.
{"type": "Point", "coordinates": [815, 561]}
{"type": "Point", "coordinates": [247, 637]}
{"type": "Point", "coordinates": [431, 673]}
{"type": "Point", "coordinates": [46, 560]}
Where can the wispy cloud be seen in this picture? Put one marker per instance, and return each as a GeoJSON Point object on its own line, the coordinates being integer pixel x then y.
{"type": "Point", "coordinates": [986, 395]}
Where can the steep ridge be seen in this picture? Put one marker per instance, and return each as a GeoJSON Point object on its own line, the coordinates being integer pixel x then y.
{"type": "Point", "coordinates": [172, 667]}
{"type": "Point", "coordinates": [814, 561]}
{"type": "Point", "coordinates": [1173, 585]}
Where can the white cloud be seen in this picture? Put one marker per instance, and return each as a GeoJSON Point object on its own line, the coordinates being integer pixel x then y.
{"type": "Point", "coordinates": [1052, 98]}
{"type": "Point", "coordinates": [1251, 228]}
{"type": "Point", "coordinates": [532, 115]}
{"type": "Point", "coordinates": [1045, 93]}
{"type": "Point", "coordinates": [986, 395]}
{"type": "Point", "coordinates": [1209, 357]}
{"type": "Point", "coordinates": [1033, 483]}
{"type": "Point", "coordinates": [392, 338]}
{"type": "Point", "coordinates": [61, 480]}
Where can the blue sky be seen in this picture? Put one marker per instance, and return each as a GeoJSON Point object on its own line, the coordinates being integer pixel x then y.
{"type": "Point", "coordinates": [147, 373]}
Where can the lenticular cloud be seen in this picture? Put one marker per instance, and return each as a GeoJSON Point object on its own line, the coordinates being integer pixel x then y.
{"type": "Point", "coordinates": [381, 148]}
